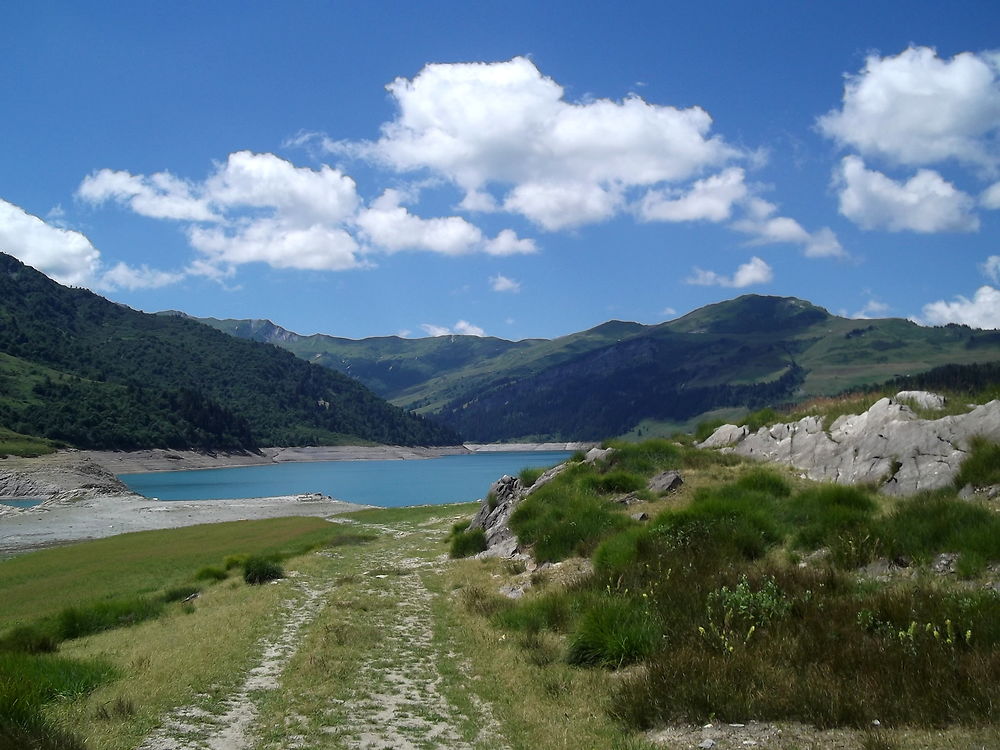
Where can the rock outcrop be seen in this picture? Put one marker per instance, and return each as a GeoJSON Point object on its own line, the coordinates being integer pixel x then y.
{"type": "Point", "coordinates": [67, 475]}
{"type": "Point", "coordinates": [504, 496]}
{"type": "Point", "coordinates": [887, 446]}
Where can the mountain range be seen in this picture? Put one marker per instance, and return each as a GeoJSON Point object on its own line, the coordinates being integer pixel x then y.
{"type": "Point", "coordinates": [621, 377]}
{"type": "Point", "coordinates": [84, 371]}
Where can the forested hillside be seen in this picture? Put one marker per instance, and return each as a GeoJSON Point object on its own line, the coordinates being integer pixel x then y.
{"type": "Point", "coordinates": [77, 368]}
{"type": "Point", "coordinates": [742, 354]}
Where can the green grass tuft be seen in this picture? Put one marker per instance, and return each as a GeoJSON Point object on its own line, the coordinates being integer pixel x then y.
{"type": "Point", "coordinates": [258, 570]}
{"type": "Point", "coordinates": [614, 632]}
{"type": "Point", "coordinates": [981, 467]}
{"type": "Point", "coordinates": [466, 543]}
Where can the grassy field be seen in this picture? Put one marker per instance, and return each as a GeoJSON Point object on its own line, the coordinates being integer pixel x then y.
{"type": "Point", "coordinates": [717, 611]}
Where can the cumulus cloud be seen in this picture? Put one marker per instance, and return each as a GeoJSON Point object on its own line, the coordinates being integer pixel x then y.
{"type": "Point", "coordinates": [925, 203]}
{"type": "Point", "coordinates": [560, 163]}
{"type": "Point", "coordinates": [68, 256]}
{"type": "Point", "coordinates": [764, 227]}
{"type": "Point", "coordinates": [918, 109]}
{"type": "Point", "coordinates": [262, 208]}
{"type": "Point", "coordinates": [501, 283]}
{"type": "Point", "coordinates": [64, 255]}
{"type": "Point", "coordinates": [390, 225]}
{"type": "Point", "coordinates": [709, 199]}
{"type": "Point", "coordinates": [755, 271]}
{"type": "Point", "coordinates": [991, 267]}
{"type": "Point", "coordinates": [872, 309]}
{"type": "Point", "coordinates": [982, 311]}
{"type": "Point", "coordinates": [461, 328]}
{"type": "Point", "coordinates": [991, 196]}
{"type": "Point", "coordinates": [159, 196]}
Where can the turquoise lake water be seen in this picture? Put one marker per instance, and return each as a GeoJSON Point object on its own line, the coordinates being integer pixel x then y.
{"type": "Point", "coordinates": [21, 502]}
{"type": "Point", "coordinates": [389, 484]}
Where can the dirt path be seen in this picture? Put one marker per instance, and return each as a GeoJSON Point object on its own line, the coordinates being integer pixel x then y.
{"type": "Point", "coordinates": [399, 687]}
{"type": "Point", "coordinates": [194, 727]}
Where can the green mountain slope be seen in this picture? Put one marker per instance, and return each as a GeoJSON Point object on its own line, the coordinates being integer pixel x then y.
{"type": "Point", "coordinates": [745, 353]}
{"type": "Point", "coordinates": [78, 368]}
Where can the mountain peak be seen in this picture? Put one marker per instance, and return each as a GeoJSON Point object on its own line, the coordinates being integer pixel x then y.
{"type": "Point", "coordinates": [751, 313]}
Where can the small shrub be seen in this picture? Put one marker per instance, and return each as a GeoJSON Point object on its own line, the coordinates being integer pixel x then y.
{"type": "Point", "coordinates": [618, 553]}
{"type": "Point", "coordinates": [257, 570]}
{"type": "Point", "coordinates": [29, 639]}
{"type": "Point", "coordinates": [613, 633]}
{"type": "Point", "coordinates": [466, 543]}
{"type": "Point", "coordinates": [644, 458]}
{"type": "Point", "coordinates": [479, 601]}
{"type": "Point", "coordinates": [76, 622]}
{"type": "Point", "coordinates": [234, 561]}
{"type": "Point", "coordinates": [529, 475]}
{"type": "Point", "coordinates": [825, 514]}
{"type": "Point", "coordinates": [615, 482]}
{"type": "Point", "coordinates": [764, 480]}
{"type": "Point", "coordinates": [550, 611]}
{"type": "Point", "coordinates": [930, 524]}
{"type": "Point", "coordinates": [211, 573]}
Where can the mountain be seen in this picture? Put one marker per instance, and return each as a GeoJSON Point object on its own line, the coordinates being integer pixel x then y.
{"type": "Point", "coordinates": [745, 353]}
{"type": "Point", "coordinates": [77, 368]}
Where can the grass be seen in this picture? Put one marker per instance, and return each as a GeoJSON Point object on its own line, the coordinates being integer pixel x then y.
{"type": "Point", "coordinates": [29, 682]}
{"type": "Point", "coordinates": [466, 543]}
{"type": "Point", "coordinates": [981, 467]}
{"type": "Point", "coordinates": [142, 563]}
{"type": "Point", "coordinates": [714, 579]}
{"type": "Point", "coordinates": [15, 444]}
{"type": "Point", "coordinates": [258, 569]}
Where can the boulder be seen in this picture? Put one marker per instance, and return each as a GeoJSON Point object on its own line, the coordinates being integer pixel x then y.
{"type": "Point", "coordinates": [922, 399]}
{"type": "Point", "coordinates": [668, 481]}
{"type": "Point", "coordinates": [888, 446]}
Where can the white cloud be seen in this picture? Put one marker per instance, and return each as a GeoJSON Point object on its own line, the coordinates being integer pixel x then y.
{"type": "Point", "coordinates": [764, 227]}
{"type": "Point", "coordinates": [925, 203]}
{"type": "Point", "coordinates": [389, 225]}
{"type": "Point", "coordinates": [67, 256]}
{"type": "Point", "coordinates": [982, 311]}
{"type": "Point", "coordinates": [506, 126]}
{"type": "Point", "coordinates": [755, 271]}
{"type": "Point", "coordinates": [266, 209]}
{"type": "Point", "coordinates": [64, 255]}
{"type": "Point", "coordinates": [277, 243]}
{"type": "Point", "coordinates": [461, 328]}
{"type": "Point", "coordinates": [160, 196]}
{"type": "Point", "coordinates": [992, 268]}
{"type": "Point", "coordinates": [501, 283]}
{"type": "Point", "coordinates": [916, 109]}
{"type": "Point", "coordinates": [300, 195]}
{"type": "Point", "coordinates": [669, 312]}
{"type": "Point", "coordinates": [991, 197]}
{"type": "Point", "coordinates": [872, 309]}
{"type": "Point", "coordinates": [124, 276]}
{"type": "Point", "coordinates": [564, 205]}
{"type": "Point", "coordinates": [508, 243]}
{"type": "Point", "coordinates": [710, 199]}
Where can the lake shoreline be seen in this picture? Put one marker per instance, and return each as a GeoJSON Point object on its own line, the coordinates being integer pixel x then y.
{"type": "Point", "coordinates": [159, 459]}
{"type": "Point", "coordinates": [58, 522]}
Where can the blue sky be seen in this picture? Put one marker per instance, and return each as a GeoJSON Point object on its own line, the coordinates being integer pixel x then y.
{"type": "Point", "coordinates": [514, 169]}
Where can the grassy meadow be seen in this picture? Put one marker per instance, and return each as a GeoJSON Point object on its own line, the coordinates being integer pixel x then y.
{"type": "Point", "coordinates": [748, 595]}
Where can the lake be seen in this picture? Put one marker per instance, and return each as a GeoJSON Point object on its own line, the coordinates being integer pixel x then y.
{"type": "Point", "coordinates": [389, 484]}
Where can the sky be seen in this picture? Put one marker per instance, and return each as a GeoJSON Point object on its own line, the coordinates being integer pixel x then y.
{"type": "Point", "coordinates": [514, 169]}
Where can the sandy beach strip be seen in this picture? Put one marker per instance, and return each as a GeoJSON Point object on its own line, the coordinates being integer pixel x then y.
{"type": "Point", "coordinates": [57, 522]}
